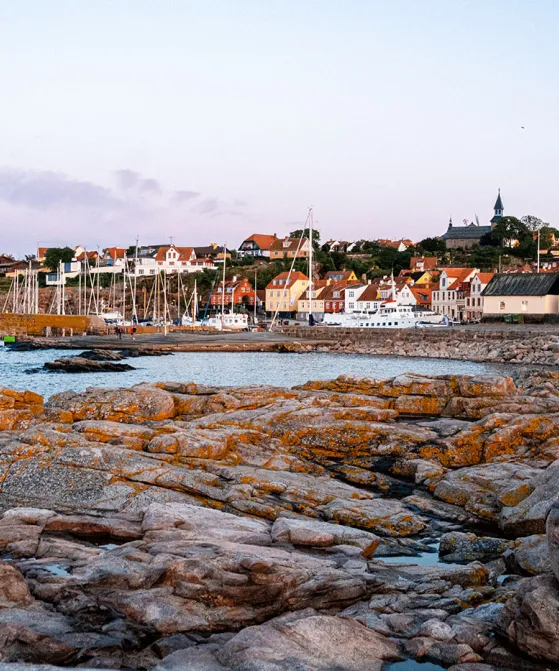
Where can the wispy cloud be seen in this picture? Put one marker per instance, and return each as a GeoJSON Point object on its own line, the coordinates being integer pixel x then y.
{"type": "Point", "coordinates": [49, 206]}
{"type": "Point", "coordinates": [44, 190]}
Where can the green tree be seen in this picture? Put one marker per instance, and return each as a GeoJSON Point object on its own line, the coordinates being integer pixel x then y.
{"type": "Point", "coordinates": [548, 236]}
{"type": "Point", "coordinates": [55, 255]}
{"type": "Point", "coordinates": [304, 233]}
{"type": "Point", "coordinates": [485, 258]}
{"type": "Point", "coordinates": [431, 246]}
{"type": "Point", "coordinates": [131, 251]}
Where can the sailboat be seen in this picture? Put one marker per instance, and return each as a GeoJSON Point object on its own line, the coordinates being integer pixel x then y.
{"type": "Point", "coordinates": [191, 319]}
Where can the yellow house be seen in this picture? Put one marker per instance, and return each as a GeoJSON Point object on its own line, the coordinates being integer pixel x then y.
{"type": "Point", "coordinates": [317, 300]}
{"type": "Point", "coordinates": [341, 276]}
{"type": "Point", "coordinates": [426, 278]}
{"type": "Point", "coordinates": [283, 292]}
{"type": "Point", "coordinates": [289, 248]}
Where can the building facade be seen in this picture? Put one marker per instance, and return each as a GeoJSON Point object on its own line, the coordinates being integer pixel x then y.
{"type": "Point", "coordinates": [474, 298]}
{"type": "Point", "coordinates": [283, 292]}
{"type": "Point", "coordinates": [257, 245]}
{"type": "Point", "coordinates": [170, 259]}
{"type": "Point", "coordinates": [449, 298]}
{"type": "Point", "coordinates": [238, 292]}
{"type": "Point", "coordinates": [290, 248]}
{"type": "Point", "coordinates": [532, 295]}
{"type": "Point", "coordinates": [466, 237]}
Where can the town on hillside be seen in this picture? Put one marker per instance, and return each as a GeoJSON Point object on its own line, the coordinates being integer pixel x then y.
{"type": "Point", "coordinates": [507, 268]}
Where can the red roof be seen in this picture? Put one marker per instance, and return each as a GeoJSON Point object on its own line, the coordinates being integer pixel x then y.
{"type": "Point", "coordinates": [422, 295]}
{"type": "Point", "coordinates": [184, 252]}
{"type": "Point", "coordinates": [370, 293]}
{"type": "Point", "coordinates": [262, 240]}
{"type": "Point", "coordinates": [115, 252]}
{"type": "Point", "coordinates": [278, 244]}
{"type": "Point", "coordinates": [295, 275]}
{"type": "Point", "coordinates": [485, 277]}
{"type": "Point", "coordinates": [90, 255]}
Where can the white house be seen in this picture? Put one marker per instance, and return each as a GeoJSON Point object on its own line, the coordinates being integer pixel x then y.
{"type": "Point", "coordinates": [170, 259]}
{"type": "Point", "coordinates": [352, 295]}
{"type": "Point", "coordinates": [450, 297]}
{"type": "Point", "coordinates": [474, 301]}
{"type": "Point", "coordinates": [533, 295]}
{"type": "Point", "coordinates": [405, 296]}
{"type": "Point", "coordinates": [368, 300]}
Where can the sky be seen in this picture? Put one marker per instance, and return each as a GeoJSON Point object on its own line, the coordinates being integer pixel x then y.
{"type": "Point", "coordinates": [208, 120]}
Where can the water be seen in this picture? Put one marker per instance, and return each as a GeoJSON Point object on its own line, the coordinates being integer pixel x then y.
{"type": "Point", "coordinates": [222, 368]}
{"type": "Point", "coordinates": [411, 665]}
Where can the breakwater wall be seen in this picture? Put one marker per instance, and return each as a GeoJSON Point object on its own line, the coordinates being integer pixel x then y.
{"type": "Point", "coordinates": [49, 325]}
{"type": "Point", "coordinates": [507, 345]}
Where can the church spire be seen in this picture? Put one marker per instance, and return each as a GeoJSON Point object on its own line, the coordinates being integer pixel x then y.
{"type": "Point", "coordinates": [499, 205]}
{"type": "Point", "coordinates": [498, 208]}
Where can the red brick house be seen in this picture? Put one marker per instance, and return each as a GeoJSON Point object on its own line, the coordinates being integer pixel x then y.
{"type": "Point", "coordinates": [237, 292]}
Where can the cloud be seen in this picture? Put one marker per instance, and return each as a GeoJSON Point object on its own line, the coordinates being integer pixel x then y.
{"type": "Point", "coordinates": [208, 206]}
{"type": "Point", "coordinates": [128, 180]}
{"type": "Point", "coordinates": [180, 197]}
{"type": "Point", "coordinates": [57, 209]}
{"type": "Point", "coordinates": [45, 190]}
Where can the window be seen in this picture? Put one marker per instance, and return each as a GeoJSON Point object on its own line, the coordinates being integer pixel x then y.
{"type": "Point", "coordinates": [350, 306]}
{"type": "Point", "coordinates": [141, 271]}
{"type": "Point", "coordinates": [152, 272]}
{"type": "Point", "coordinates": [327, 305]}
{"type": "Point", "coordinates": [524, 306]}
{"type": "Point", "coordinates": [502, 306]}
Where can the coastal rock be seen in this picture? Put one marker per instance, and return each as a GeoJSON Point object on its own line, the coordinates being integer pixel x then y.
{"type": "Point", "coordinates": [78, 364]}
{"type": "Point", "coordinates": [322, 534]}
{"type": "Point", "coordinates": [553, 538]}
{"type": "Point", "coordinates": [464, 547]}
{"type": "Point", "coordinates": [136, 404]}
{"type": "Point", "coordinates": [529, 619]}
{"type": "Point", "coordinates": [175, 524]}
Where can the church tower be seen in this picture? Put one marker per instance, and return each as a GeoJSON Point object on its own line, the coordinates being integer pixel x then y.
{"type": "Point", "coordinates": [498, 209]}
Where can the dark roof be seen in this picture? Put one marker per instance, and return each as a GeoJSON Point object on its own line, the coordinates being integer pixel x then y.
{"type": "Point", "coordinates": [496, 218]}
{"type": "Point", "coordinates": [523, 284]}
{"type": "Point", "coordinates": [466, 232]}
{"type": "Point", "coordinates": [499, 202]}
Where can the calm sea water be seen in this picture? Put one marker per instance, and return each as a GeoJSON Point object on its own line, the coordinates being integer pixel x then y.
{"type": "Point", "coordinates": [19, 370]}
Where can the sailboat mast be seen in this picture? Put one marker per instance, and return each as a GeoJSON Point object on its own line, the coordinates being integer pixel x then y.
{"type": "Point", "coordinates": [223, 286]}
{"type": "Point", "coordinates": [255, 295]}
{"type": "Point", "coordinates": [310, 266]}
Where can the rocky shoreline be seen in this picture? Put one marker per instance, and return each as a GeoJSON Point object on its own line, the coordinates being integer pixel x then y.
{"type": "Point", "coordinates": [514, 345]}
{"type": "Point", "coordinates": [340, 525]}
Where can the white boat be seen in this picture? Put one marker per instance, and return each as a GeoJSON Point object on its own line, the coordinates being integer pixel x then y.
{"type": "Point", "coordinates": [112, 317]}
{"type": "Point", "coordinates": [228, 321]}
{"type": "Point", "coordinates": [390, 315]}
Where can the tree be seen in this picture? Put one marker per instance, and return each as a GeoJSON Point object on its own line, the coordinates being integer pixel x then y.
{"type": "Point", "coordinates": [431, 246]}
{"type": "Point", "coordinates": [131, 251]}
{"type": "Point", "coordinates": [30, 257]}
{"type": "Point", "coordinates": [485, 258]}
{"type": "Point", "coordinates": [510, 232]}
{"type": "Point", "coordinates": [532, 223]}
{"type": "Point", "coordinates": [304, 233]}
{"type": "Point", "coordinates": [548, 236]}
{"type": "Point", "coordinates": [55, 255]}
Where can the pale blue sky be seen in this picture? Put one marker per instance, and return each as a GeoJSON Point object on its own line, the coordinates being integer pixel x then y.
{"type": "Point", "coordinates": [386, 116]}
